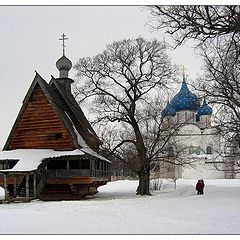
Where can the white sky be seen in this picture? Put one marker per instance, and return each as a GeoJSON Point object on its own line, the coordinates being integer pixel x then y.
{"type": "Point", "coordinates": [29, 41]}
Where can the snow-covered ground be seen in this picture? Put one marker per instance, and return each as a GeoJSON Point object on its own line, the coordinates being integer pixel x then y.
{"type": "Point", "coordinates": [117, 210]}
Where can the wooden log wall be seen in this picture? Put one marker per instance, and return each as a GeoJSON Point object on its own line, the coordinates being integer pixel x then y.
{"type": "Point", "coordinates": [10, 179]}
{"type": "Point", "coordinates": [38, 125]}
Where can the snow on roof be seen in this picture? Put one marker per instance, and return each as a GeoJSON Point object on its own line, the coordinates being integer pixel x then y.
{"type": "Point", "coordinates": [89, 151]}
{"type": "Point", "coordinates": [30, 159]}
{"type": "Point", "coordinates": [85, 148]}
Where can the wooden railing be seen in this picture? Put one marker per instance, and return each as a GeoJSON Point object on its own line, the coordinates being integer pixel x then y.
{"type": "Point", "coordinates": [64, 173]}
{"type": "Point", "coordinates": [99, 173]}
{"type": "Point", "coordinates": [19, 186]}
{"type": "Point", "coordinates": [41, 182]}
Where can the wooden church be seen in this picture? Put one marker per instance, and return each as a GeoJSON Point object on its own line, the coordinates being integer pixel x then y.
{"type": "Point", "coordinates": [52, 152]}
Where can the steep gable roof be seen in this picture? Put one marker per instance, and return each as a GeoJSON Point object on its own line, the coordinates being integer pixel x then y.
{"type": "Point", "coordinates": [74, 112]}
{"type": "Point", "coordinates": [55, 103]}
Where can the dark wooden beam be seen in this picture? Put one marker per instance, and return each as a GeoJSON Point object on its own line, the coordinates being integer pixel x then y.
{"type": "Point", "coordinates": [5, 187]}
{"type": "Point", "coordinates": [34, 186]}
{"type": "Point", "coordinates": [27, 186]}
{"type": "Point", "coordinates": [14, 185]}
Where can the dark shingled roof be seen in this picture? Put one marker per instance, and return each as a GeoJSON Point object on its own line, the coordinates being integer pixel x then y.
{"type": "Point", "coordinates": [73, 109]}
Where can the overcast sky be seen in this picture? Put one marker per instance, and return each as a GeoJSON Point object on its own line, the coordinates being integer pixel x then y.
{"type": "Point", "coordinates": [29, 41]}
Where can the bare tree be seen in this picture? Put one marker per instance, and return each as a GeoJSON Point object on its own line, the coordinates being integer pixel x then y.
{"type": "Point", "coordinates": [164, 151]}
{"type": "Point", "coordinates": [216, 30]}
{"type": "Point", "coordinates": [221, 81]}
{"type": "Point", "coordinates": [196, 22]}
{"type": "Point", "coordinates": [222, 87]}
{"type": "Point", "coordinates": [124, 158]}
{"type": "Point", "coordinates": [156, 136]}
{"type": "Point", "coordinates": [121, 80]}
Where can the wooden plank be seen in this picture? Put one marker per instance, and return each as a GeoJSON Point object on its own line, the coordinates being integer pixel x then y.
{"type": "Point", "coordinates": [34, 186]}
{"type": "Point", "coordinates": [14, 185]}
{"type": "Point", "coordinates": [10, 180]}
{"type": "Point", "coordinates": [68, 181]}
{"type": "Point", "coordinates": [27, 186]}
{"type": "Point", "coordinates": [36, 121]}
{"type": "Point", "coordinates": [49, 137]}
{"type": "Point", "coordinates": [77, 180]}
{"type": "Point", "coordinates": [40, 123]}
{"type": "Point", "coordinates": [5, 187]}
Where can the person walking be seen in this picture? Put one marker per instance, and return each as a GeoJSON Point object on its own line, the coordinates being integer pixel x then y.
{"type": "Point", "coordinates": [200, 186]}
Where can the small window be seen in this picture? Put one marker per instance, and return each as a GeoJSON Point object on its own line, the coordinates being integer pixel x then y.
{"type": "Point", "coordinates": [58, 136]}
{"type": "Point", "coordinates": [186, 117]}
{"type": "Point", "coordinates": [209, 150]}
{"type": "Point", "coordinates": [54, 136]}
{"type": "Point", "coordinates": [194, 150]}
{"type": "Point", "coordinates": [190, 150]}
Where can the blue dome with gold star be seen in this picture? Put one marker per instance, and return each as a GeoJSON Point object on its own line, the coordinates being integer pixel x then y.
{"type": "Point", "coordinates": [185, 99]}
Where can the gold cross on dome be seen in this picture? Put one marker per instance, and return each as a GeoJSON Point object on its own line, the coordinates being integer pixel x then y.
{"type": "Point", "coordinates": [63, 39]}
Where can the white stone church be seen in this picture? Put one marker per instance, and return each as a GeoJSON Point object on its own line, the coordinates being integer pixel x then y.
{"type": "Point", "coordinates": [195, 146]}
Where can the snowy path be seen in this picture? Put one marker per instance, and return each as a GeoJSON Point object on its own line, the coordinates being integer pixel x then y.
{"type": "Point", "coordinates": [117, 210]}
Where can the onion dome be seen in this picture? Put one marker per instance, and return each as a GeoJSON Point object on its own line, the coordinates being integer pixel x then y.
{"type": "Point", "coordinates": [185, 99]}
{"type": "Point", "coordinates": [168, 111]}
{"type": "Point", "coordinates": [205, 109]}
{"type": "Point", "coordinates": [63, 64]}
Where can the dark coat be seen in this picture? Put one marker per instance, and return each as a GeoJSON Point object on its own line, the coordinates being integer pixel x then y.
{"type": "Point", "coordinates": [200, 185]}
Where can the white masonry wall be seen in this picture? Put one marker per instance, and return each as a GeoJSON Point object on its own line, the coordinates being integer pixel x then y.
{"type": "Point", "coordinates": [192, 142]}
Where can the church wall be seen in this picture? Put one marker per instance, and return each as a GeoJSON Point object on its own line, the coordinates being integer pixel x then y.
{"type": "Point", "coordinates": [201, 169]}
{"type": "Point", "coordinates": [205, 121]}
{"type": "Point", "coordinates": [185, 117]}
{"type": "Point", "coordinates": [190, 135]}
{"type": "Point", "coordinates": [39, 126]}
{"type": "Point", "coordinates": [191, 146]}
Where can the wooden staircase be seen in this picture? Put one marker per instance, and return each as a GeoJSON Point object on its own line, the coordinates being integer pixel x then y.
{"type": "Point", "coordinates": [22, 194]}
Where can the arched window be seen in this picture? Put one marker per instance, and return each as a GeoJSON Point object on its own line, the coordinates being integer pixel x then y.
{"type": "Point", "coordinates": [209, 150]}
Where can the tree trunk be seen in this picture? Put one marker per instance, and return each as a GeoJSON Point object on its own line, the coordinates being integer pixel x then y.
{"type": "Point", "coordinates": [144, 172]}
{"type": "Point", "coordinates": [144, 178]}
